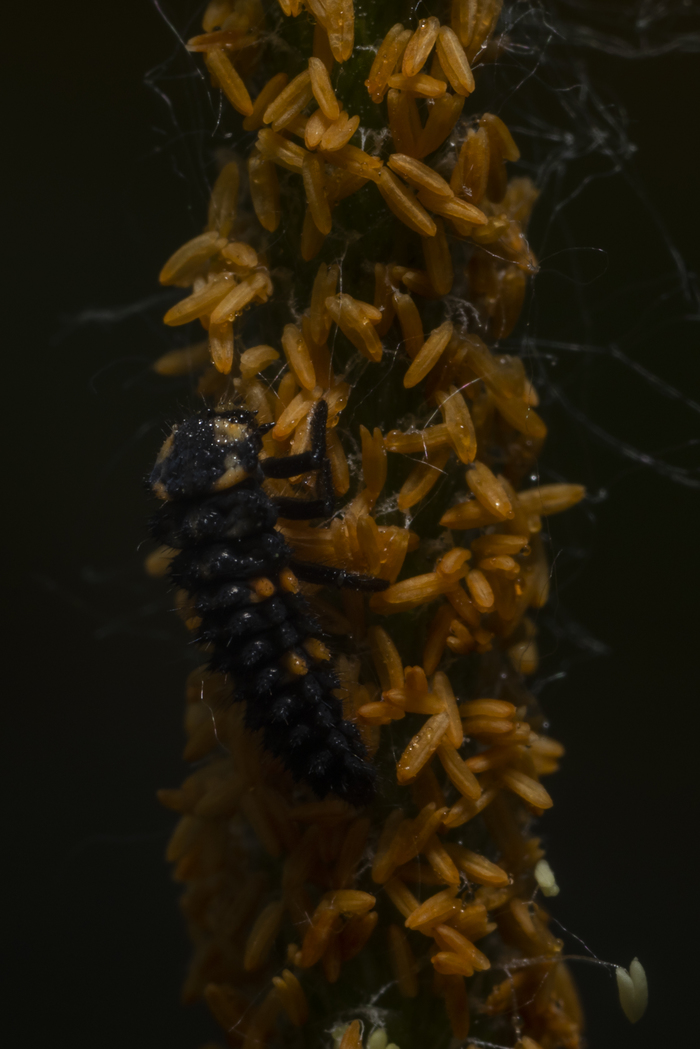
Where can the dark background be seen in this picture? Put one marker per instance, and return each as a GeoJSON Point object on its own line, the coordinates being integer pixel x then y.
{"type": "Point", "coordinates": [94, 666]}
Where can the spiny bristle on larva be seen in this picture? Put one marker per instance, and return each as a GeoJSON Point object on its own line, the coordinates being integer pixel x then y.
{"type": "Point", "coordinates": [283, 887]}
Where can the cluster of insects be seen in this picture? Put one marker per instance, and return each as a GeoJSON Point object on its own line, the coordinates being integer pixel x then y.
{"type": "Point", "coordinates": [236, 567]}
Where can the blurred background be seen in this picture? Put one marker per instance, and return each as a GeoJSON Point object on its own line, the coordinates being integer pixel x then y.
{"type": "Point", "coordinates": [101, 188]}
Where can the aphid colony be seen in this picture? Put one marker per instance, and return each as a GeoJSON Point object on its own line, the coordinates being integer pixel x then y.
{"type": "Point", "coordinates": [452, 861]}
{"type": "Point", "coordinates": [240, 574]}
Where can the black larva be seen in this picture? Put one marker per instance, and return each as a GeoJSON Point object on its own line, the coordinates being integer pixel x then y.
{"type": "Point", "coordinates": [222, 521]}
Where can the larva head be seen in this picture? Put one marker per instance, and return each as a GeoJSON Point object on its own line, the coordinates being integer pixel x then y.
{"type": "Point", "coordinates": [208, 453]}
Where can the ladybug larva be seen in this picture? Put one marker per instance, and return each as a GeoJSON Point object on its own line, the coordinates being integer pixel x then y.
{"type": "Point", "coordinates": [236, 566]}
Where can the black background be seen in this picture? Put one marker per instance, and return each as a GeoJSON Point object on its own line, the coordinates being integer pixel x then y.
{"type": "Point", "coordinates": [94, 666]}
